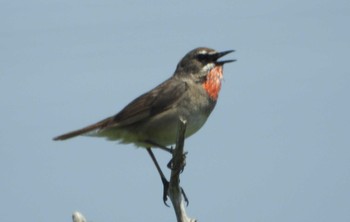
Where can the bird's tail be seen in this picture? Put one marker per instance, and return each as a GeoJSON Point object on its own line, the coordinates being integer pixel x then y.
{"type": "Point", "coordinates": [97, 126]}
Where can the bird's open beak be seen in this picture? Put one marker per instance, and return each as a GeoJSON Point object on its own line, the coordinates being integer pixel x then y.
{"type": "Point", "coordinates": [221, 54]}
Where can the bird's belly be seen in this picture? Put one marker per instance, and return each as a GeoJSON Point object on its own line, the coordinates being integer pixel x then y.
{"type": "Point", "coordinates": [164, 131]}
{"type": "Point", "coordinates": [161, 130]}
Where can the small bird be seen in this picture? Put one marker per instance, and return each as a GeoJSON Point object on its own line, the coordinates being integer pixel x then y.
{"type": "Point", "coordinates": [151, 120]}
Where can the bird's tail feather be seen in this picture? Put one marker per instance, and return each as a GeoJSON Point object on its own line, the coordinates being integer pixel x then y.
{"type": "Point", "coordinates": [97, 126]}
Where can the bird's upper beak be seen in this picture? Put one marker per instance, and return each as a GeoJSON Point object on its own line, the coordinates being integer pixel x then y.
{"type": "Point", "coordinates": [221, 54]}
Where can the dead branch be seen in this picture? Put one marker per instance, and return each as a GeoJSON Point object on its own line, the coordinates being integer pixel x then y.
{"type": "Point", "coordinates": [178, 163]}
{"type": "Point", "coordinates": [175, 192]}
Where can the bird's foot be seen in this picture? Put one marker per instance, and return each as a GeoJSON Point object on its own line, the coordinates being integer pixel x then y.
{"type": "Point", "coordinates": [170, 164]}
{"type": "Point", "coordinates": [165, 193]}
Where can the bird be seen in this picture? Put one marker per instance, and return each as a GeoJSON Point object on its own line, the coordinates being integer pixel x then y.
{"type": "Point", "coordinates": [151, 120]}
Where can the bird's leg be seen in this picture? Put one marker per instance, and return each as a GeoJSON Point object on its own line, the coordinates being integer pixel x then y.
{"type": "Point", "coordinates": [162, 177]}
{"type": "Point", "coordinates": [153, 144]}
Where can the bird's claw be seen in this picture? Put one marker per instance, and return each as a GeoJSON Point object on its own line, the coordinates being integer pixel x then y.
{"type": "Point", "coordinates": [165, 191]}
{"type": "Point", "coordinates": [185, 197]}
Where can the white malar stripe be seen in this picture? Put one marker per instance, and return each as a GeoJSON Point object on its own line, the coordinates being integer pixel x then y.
{"type": "Point", "coordinates": [208, 67]}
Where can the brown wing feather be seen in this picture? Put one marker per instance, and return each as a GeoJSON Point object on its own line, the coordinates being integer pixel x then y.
{"type": "Point", "coordinates": [147, 105]}
{"type": "Point", "coordinates": [151, 103]}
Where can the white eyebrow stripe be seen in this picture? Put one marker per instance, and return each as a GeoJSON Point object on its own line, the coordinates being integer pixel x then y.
{"type": "Point", "coordinates": [206, 52]}
{"type": "Point", "coordinates": [203, 52]}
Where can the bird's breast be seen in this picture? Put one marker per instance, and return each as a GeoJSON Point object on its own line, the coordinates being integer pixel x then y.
{"type": "Point", "coordinates": [212, 85]}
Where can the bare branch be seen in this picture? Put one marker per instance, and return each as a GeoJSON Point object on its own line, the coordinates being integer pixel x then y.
{"type": "Point", "coordinates": [175, 192]}
{"type": "Point", "coordinates": [78, 217]}
{"type": "Point", "coordinates": [178, 162]}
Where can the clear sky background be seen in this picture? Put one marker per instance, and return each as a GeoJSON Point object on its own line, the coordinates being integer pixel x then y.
{"type": "Point", "coordinates": [276, 148]}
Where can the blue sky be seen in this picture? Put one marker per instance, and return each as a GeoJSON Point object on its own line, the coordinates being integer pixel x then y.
{"type": "Point", "coordinates": [276, 148]}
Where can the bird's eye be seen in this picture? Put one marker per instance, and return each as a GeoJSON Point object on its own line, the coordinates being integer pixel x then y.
{"type": "Point", "coordinates": [202, 57]}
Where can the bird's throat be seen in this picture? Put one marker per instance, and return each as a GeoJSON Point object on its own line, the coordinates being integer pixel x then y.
{"type": "Point", "coordinates": [213, 82]}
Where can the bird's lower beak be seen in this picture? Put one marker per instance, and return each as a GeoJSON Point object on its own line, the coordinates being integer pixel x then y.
{"type": "Point", "coordinates": [221, 54]}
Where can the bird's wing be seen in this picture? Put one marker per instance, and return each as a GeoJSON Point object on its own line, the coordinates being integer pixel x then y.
{"type": "Point", "coordinates": [145, 106]}
{"type": "Point", "coordinates": [151, 103]}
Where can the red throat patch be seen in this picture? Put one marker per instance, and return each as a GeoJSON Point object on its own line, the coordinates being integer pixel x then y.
{"type": "Point", "coordinates": [213, 83]}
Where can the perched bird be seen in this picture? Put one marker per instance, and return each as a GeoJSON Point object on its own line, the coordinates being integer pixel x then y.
{"type": "Point", "coordinates": [151, 119]}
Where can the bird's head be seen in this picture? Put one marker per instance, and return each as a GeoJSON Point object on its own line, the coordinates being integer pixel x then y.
{"type": "Point", "coordinates": [202, 65]}
{"type": "Point", "coordinates": [200, 61]}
